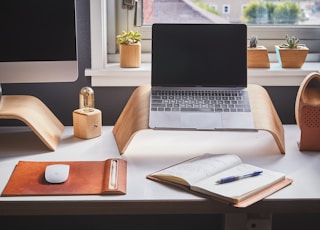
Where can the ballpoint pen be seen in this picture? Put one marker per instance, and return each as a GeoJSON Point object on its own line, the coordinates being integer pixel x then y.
{"type": "Point", "coordinates": [235, 178]}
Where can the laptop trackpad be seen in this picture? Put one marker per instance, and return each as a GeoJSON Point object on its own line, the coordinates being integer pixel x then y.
{"type": "Point", "coordinates": [201, 120]}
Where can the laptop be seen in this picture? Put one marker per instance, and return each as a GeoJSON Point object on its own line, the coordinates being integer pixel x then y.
{"type": "Point", "coordinates": [199, 77]}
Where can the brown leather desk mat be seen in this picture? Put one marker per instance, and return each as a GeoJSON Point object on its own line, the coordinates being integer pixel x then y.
{"type": "Point", "coordinates": [135, 115]}
{"type": "Point", "coordinates": [85, 178]}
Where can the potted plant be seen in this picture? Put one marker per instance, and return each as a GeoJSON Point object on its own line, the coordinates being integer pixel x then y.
{"type": "Point", "coordinates": [129, 49]}
{"type": "Point", "coordinates": [257, 55]}
{"type": "Point", "coordinates": [291, 54]}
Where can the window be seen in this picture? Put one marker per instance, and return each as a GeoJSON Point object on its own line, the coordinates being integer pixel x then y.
{"type": "Point", "coordinates": [109, 18]}
{"type": "Point", "coordinates": [226, 9]}
{"type": "Point", "coordinates": [306, 24]}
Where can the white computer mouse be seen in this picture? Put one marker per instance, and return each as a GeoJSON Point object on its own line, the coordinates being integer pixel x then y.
{"type": "Point", "coordinates": [57, 173]}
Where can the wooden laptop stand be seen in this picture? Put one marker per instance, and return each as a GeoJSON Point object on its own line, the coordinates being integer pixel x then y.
{"type": "Point", "coordinates": [35, 114]}
{"type": "Point", "coordinates": [135, 116]}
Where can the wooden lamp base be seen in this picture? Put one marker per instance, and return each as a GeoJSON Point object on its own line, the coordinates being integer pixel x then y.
{"type": "Point", "coordinates": [87, 124]}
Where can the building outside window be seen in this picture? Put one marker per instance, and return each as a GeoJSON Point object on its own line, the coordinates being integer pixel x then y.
{"type": "Point", "coordinates": [226, 9]}
{"type": "Point", "coordinates": [299, 11]}
{"type": "Point", "coordinates": [271, 19]}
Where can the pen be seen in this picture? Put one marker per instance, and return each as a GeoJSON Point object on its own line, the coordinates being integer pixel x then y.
{"type": "Point", "coordinates": [235, 178]}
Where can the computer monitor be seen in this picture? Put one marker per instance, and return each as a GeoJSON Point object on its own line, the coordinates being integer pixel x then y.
{"type": "Point", "coordinates": [38, 41]}
{"type": "Point", "coordinates": [38, 44]}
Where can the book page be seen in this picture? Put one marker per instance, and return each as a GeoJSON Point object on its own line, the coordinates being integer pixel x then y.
{"type": "Point", "coordinates": [240, 189]}
{"type": "Point", "coordinates": [195, 169]}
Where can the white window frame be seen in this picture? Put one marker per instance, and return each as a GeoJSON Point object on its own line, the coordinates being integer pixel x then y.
{"type": "Point", "coordinates": [107, 18]}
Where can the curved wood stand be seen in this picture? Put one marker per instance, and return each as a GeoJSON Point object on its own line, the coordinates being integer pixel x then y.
{"type": "Point", "coordinates": [135, 116]}
{"type": "Point", "coordinates": [307, 112]}
{"type": "Point", "coordinates": [35, 114]}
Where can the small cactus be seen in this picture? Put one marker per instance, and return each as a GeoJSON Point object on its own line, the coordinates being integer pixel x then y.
{"type": "Point", "coordinates": [253, 41]}
{"type": "Point", "coordinates": [291, 42]}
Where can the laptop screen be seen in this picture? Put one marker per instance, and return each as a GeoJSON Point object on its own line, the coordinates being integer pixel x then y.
{"type": "Point", "coordinates": [207, 55]}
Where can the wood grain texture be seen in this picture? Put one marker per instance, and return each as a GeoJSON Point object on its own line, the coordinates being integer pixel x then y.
{"type": "Point", "coordinates": [135, 116]}
{"type": "Point", "coordinates": [87, 124]}
{"type": "Point", "coordinates": [308, 94]}
{"type": "Point", "coordinates": [258, 57]}
{"type": "Point", "coordinates": [265, 115]}
{"type": "Point", "coordinates": [130, 55]}
{"type": "Point", "coordinates": [35, 114]}
{"type": "Point", "coordinates": [307, 112]}
{"type": "Point", "coordinates": [292, 57]}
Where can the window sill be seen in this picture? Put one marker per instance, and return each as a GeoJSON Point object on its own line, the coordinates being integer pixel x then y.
{"type": "Point", "coordinates": [113, 75]}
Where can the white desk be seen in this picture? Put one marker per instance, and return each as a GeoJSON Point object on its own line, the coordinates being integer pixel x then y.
{"type": "Point", "coordinates": [150, 151]}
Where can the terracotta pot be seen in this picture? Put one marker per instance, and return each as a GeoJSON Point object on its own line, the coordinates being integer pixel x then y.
{"type": "Point", "coordinates": [130, 55]}
{"type": "Point", "coordinates": [291, 57]}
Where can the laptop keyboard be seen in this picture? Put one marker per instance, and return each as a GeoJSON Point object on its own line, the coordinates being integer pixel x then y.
{"type": "Point", "coordinates": [200, 101]}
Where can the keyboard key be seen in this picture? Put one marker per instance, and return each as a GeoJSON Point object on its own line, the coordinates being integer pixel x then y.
{"type": "Point", "coordinates": [197, 110]}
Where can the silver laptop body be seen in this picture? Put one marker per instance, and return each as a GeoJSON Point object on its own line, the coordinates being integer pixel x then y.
{"type": "Point", "coordinates": [199, 77]}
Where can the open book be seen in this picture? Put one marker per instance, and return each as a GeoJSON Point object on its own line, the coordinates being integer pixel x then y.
{"type": "Point", "coordinates": [201, 175]}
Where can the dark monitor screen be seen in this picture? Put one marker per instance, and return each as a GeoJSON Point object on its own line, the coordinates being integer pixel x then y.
{"type": "Point", "coordinates": [199, 55]}
{"type": "Point", "coordinates": [38, 41]}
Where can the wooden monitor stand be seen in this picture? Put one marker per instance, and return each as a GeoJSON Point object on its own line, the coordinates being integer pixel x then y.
{"type": "Point", "coordinates": [135, 116]}
{"type": "Point", "coordinates": [35, 114]}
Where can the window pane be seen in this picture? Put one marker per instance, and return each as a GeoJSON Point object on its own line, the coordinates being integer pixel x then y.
{"type": "Point", "coordinates": [251, 12]}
